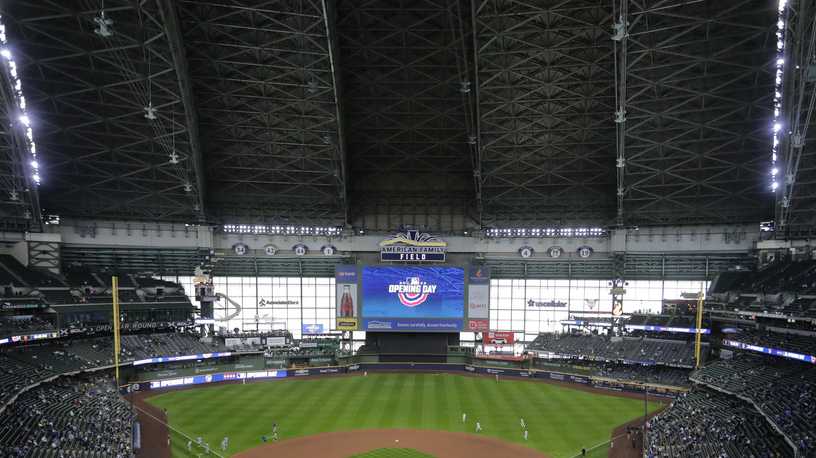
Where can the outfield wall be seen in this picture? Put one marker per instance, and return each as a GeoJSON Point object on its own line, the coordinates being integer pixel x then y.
{"type": "Point", "coordinates": [596, 382]}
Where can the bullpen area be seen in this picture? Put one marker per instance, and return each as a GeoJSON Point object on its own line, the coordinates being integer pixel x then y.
{"type": "Point", "coordinates": [559, 420]}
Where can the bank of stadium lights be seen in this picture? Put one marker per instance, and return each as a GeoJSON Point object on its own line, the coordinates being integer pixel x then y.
{"type": "Point", "coordinates": [547, 232]}
{"type": "Point", "coordinates": [781, 14]}
{"type": "Point", "coordinates": [25, 120]}
{"type": "Point", "coordinates": [263, 229]}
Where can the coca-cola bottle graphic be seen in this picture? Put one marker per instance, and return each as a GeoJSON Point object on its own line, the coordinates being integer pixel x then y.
{"type": "Point", "coordinates": [346, 303]}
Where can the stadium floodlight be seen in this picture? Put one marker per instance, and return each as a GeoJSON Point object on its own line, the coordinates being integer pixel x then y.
{"type": "Point", "coordinates": [546, 232]}
{"type": "Point", "coordinates": [11, 66]}
{"type": "Point", "coordinates": [781, 13]}
{"type": "Point", "coordinates": [281, 230]}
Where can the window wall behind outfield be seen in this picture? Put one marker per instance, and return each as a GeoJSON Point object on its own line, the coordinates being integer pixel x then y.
{"type": "Point", "coordinates": [268, 303]}
{"type": "Point", "coordinates": [510, 309]}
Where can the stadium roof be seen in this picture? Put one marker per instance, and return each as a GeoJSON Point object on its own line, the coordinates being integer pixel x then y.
{"type": "Point", "coordinates": [379, 113]}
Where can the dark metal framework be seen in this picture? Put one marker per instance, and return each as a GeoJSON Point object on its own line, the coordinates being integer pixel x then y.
{"type": "Point", "coordinates": [445, 114]}
{"type": "Point", "coordinates": [546, 105]}
{"type": "Point", "coordinates": [264, 77]}
{"type": "Point", "coordinates": [87, 95]}
{"type": "Point", "coordinates": [698, 127]}
{"type": "Point", "coordinates": [796, 197]}
{"type": "Point", "coordinates": [406, 87]}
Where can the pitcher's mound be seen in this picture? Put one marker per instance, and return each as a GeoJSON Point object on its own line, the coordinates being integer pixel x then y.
{"type": "Point", "coordinates": [343, 444]}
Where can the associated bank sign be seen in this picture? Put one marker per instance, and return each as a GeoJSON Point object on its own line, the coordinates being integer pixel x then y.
{"type": "Point", "coordinates": [413, 246]}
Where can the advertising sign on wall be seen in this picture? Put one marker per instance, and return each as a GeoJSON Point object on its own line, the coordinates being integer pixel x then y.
{"type": "Point", "coordinates": [499, 338]}
{"type": "Point", "coordinates": [413, 246]}
{"type": "Point", "coordinates": [478, 298]}
{"type": "Point", "coordinates": [311, 328]}
{"type": "Point", "coordinates": [347, 308]}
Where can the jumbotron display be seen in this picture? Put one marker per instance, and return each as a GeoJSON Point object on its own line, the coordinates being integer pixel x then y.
{"type": "Point", "coordinates": [413, 298]}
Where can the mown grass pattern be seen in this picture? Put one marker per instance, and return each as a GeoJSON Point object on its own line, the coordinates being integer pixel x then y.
{"type": "Point", "coordinates": [560, 420]}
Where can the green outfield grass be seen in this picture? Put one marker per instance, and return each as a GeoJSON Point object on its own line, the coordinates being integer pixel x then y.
{"type": "Point", "coordinates": [393, 453]}
{"type": "Point", "coordinates": [560, 420]}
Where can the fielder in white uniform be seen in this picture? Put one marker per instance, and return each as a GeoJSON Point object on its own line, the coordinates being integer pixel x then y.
{"type": "Point", "coordinates": [523, 425]}
{"type": "Point", "coordinates": [525, 434]}
{"type": "Point", "coordinates": [478, 426]}
{"type": "Point", "coordinates": [464, 417]}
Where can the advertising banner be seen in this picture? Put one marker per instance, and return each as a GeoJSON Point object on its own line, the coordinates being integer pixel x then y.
{"type": "Point", "coordinates": [311, 328]}
{"type": "Point", "coordinates": [276, 341]}
{"type": "Point", "coordinates": [413, 292]}
{"type": "Point", "coordinates": [478, 298]}
{"type": "Point", "coordinates": [347, 324]}
{"type": "Point", "coordinates": [478, 325]}
{"type": "Point", "coordinates": [232, 342]}
{"type": "Point", "coordinates": [347, 309]}
{"type": "Point", "coordinates": [498, 338]}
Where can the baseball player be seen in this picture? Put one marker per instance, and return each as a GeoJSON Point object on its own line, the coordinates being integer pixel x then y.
{"type": "Point", "coordinates": [523, 425]}
{"type": "Point", "coordinates": [478, 427]}
{"type": "Point", "coordinates": [224, 444]}
{"type": "Point", "coordinates": [190, 446]}
{"type": "Point", "coordinates": [199, 440]}
{"type": "Point", "coordinates": [525, 434]}
{"type": "Point", "coordinates": [497, 378]}
{"type": "Point", "coordinates": [464, 417]}
{"type": "Point", "coordinates": [207, 448]}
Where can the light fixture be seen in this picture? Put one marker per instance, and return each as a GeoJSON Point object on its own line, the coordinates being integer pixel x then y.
{"type": "Point", "coordinates": [281, 230]}
{"type": "Point", "coordinates": [619, 29]}
{"type": "Point", "coordinates": [150, 112]}
{"type": "Point", "coordinates": [104, 24]}
{"type": "Point", "coordinates": [547, 232]}
{"type": "Point", "coordinates": [778, 81]}
{"type": "Point", "coordinates": [17, 85]}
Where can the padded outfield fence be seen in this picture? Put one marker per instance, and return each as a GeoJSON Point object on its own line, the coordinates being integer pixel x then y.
{"type": "Point", "coordinates": [595, 382]}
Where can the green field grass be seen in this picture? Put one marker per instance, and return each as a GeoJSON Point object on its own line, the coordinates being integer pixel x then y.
{"type": "Point", "coordinates": [560, 420]}
{"type": "Point", "coordinates": [393, 453]}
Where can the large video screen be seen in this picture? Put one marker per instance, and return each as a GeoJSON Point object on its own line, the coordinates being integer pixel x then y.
{"type": "Point", "coordinates": [410, 298]}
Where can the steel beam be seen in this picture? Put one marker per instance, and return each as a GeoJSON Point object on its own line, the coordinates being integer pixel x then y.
{"type": "Point", "coordinates": [170, 20]}
{"type": "Point", "coordinates": [330, 19]}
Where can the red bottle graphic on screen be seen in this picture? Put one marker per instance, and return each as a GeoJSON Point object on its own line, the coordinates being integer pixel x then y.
{"type": "Point", "coordinates": [346, 303]}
